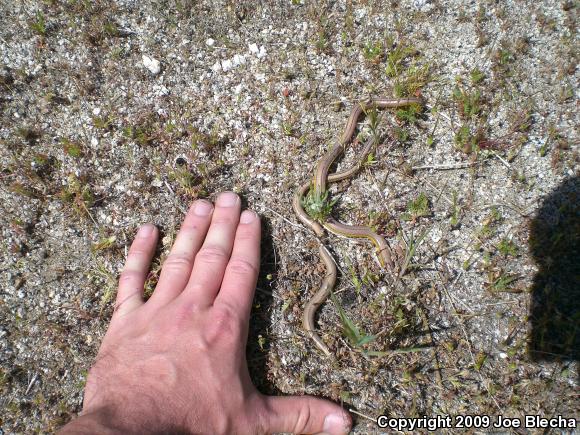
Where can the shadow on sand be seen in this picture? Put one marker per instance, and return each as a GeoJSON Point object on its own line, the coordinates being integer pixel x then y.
{"type": "Point", "coordinates": [555, 306]}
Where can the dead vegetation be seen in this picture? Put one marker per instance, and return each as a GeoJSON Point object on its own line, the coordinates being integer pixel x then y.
{"type": "Point", "coordinates": [92, 144]}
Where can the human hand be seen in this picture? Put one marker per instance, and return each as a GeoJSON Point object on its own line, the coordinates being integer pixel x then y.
{"type": "Point", "coordinates": [176, 363]}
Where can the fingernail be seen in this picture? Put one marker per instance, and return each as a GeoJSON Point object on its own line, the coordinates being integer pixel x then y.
{"type": "Point", "coordinates": [247, 217]}
{"type": "Point", "coordinates": [227, 199]}
{"type": "Point", "coordinates": [202, 208]}
{"type": "Point", "coordinates": [146, 230]}
{"type": "Point", "coordinates": [335, 424]}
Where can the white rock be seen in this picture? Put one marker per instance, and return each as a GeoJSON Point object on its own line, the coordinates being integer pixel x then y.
{"type": "Point", "coordinates": [420, 4]}
{"type": "Point", "coordinates": [253, 48]}
{"type": "Point", "coordinates": [217, 67]}
{"type": "Point", "coordinates": [96, 111]}
{"type": "Point", "coordinates": [94, 141]}
{"type": "Point", "coordinates": [151, 64]}
{"type": "Point", "coordinates": [209, 42]}
{"type": "Point", "coordinates": [262, 53]}
{"type": "Point", "coordinates": [227, 65]}
{"type": "Point", "coordinates": [239, 59]}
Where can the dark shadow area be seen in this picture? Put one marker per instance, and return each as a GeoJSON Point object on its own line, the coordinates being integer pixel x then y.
{"type": "Point", "coordinates": [258, 335]}
{"type": "Point", "coordinates": [555, 306]}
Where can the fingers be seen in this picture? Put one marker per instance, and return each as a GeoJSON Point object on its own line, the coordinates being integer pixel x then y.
{"type": "Point", "coordinates": [132, 279]}
{"type": "Point", "coordinates": [241, 273]}
{"type": "Point", "coordinates": [177, 267]}
{"type": "Point", "coordinates": [305, 415]}
{"type": "Point", "coordinates": [211, 260]}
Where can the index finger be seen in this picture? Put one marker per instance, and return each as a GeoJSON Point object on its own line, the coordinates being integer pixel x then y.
{"type": "Point", "coordinates": [241, 275]}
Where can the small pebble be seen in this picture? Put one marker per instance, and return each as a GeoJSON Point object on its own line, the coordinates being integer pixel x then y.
{"type": "Point", "coordinates": [253, 48]}
{"type": "Point", "coordinates": [151, 64]}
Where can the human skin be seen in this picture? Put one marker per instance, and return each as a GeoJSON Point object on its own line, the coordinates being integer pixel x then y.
{"type": "Point", "coordinates": [177, 363]}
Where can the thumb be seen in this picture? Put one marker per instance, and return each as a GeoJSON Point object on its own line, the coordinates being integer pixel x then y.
{"type": "Point", "coordinates": [306, 414]}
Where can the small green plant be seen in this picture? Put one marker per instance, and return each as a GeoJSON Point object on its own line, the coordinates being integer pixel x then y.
{"type": "Point", "coordinates": [357, 337]}
{"type": "Point", "coordinates": [72, 148]}
{"type": "Point", "coordinates": [317, 205]}
{"type": "Point", "coordinates": [142, 136]}
{"type": "Point", "coordinates": [507, 248]}
{"type": "Point", "coordinates": [288, 129]}
{"type": "Point", "coordinates": [544, 148]}
{"type": "Point", "coordinates": [189, 183]}
{"type": "Point", "coordinates": [380, 222]}
{"type": "Point", "coordinates": [469, 102]}
{"type": "Point", "coordinates": [106, 280]}
{"type": "Point", "coordinates": [396, 59]}
{"type": "Point", "coordinates": [466, 141]}
{"type": "Point", "coordinates": [78, 194]}
{"type": "Point", "coordinates": [38, 24]}
{"type": "Point", "coordinates": [476, 76]}
{"type": "Point", "coordinates": [41, 160]}
{"type": "Point", "coordinates": [488, 225]}
{"type": "Point", "coordinates": [262, 342]}
{"type": "Point", "coordinates": [102, 122]}
{"type": "Point", "coordinates": [110, 28]}
{"type": "Point", "coordinates": [371, 160]}
{"type": "Point", "coordinates": [399, 312]}
{"type": "Point", "coordinates": [374, 118]}
{"type": "Point", "coordinates": [104, 244]}
{"type": "Point", "coordinates": [322, 43]}
{"type": "Point", "coordinates": [502, 283]}
{"type": "Point", "coordinates": [209, 142]}
{"type": "Point", "coordinates": [373, 51]}
{"type": "Point", "coordinates": [454, 219]}
{"type": "Point", "coordinates": [416, 208]}
{"type": "Point", "coordinates": [369, 278]}
{"type": "Point", "coordinates": [494, 215]}
{"type": "Point", "coordinates": [21, 189]}
{"type": "Point", "coordinates": [463, 138]}
{"type": "Point", "coordinates": [413, 79]}
{"type": "Point", "coordinates": [409, 114]}
{"type": "Point", "coordinates": [412, 244]}
{"type": "Point", "coordinates": [480, 359]}
{"type": "Point", "coordinates": [354, 279]}
{"type": "Point", "coordinates": [504, 56]}
{"type": "Point", "coordinates": [3, 378]}
{"type": "Point", "coordinates": [145, 131]}
{"type": "Point", "coordinates": [30, 135]}
{"type": "Point", "coordinates": [401, 134]}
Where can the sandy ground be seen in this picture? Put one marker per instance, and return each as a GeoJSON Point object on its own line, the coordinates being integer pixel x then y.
{"type": "Point", "coordinates": [116, 113]}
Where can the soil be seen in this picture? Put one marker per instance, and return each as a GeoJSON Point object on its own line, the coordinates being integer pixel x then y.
{"type": "Point", "coordinates": [117, 113]}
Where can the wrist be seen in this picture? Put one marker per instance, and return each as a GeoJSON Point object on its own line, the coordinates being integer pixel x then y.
{"type": "Point", "coordinates": [100, 421]}
{"type": "Point", "coordinates": [107, 421]}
